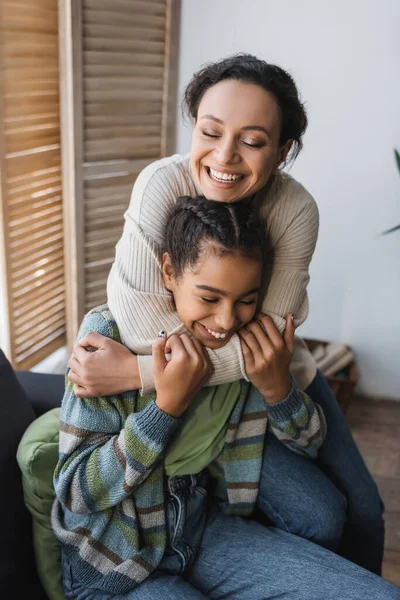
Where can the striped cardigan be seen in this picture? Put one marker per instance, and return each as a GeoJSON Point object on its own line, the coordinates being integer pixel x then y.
{"type": "Point", "coordinates": [109, 508]}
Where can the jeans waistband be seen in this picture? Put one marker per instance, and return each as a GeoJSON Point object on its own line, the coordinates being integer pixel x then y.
{"type": "Point", "coordinates": [178, 484]}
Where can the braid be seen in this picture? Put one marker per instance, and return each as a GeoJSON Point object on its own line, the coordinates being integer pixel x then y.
{"type": "Point", "coordinates": [229, 227]}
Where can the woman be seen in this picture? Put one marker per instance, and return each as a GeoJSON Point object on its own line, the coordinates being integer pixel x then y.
{"type": "Point", "coordinates": [248, 122]}
{"type": "Point", "coordinates": [152, 490]}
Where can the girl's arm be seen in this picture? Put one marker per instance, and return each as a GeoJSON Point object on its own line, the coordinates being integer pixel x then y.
{"type": "Point", "coordinates": [293, 417]}
{"type": "Point", "coordinates": [298, 423]}
{"type": "Point", "coordinates": [107, 448]}
{"type": "Point", "coordinates": [110, 445]}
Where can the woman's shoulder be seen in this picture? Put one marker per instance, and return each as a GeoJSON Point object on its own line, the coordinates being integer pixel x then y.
{"type": "Point", "coordinates": [286, 198]}
{"type": "Point", "coordinates": [100, 320]}
{"type": "Point", "coordinates": [171, 172]}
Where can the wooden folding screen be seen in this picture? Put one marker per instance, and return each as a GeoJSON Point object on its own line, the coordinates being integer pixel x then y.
{"type": "Point", "coordinates": [118, 101]}
{"type": "Point", "coordinates": [31, 219]}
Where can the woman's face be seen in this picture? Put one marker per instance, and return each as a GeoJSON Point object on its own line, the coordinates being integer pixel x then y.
{"type": "Point", "coordinates": [235, 142]}
{"type": "Point", "coordinates": [211, 303]}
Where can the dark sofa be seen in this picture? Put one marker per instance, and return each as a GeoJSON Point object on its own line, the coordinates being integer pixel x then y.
{"type": "Point", "coordinates": [24, 396]}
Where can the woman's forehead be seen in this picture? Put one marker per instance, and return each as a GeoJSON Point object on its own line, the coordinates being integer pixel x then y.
{"type": "Point", "coordinates": [240, 104]}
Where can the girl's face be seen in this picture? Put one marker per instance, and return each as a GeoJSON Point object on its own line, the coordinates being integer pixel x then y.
{"type": "Point", "coordinates": [235, 142]}
{"type": "Point", "coordinates": [217, 297]}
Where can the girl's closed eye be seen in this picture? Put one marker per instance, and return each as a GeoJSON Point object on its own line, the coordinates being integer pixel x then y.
{"type": "Point", "coordinates": [210, 300]}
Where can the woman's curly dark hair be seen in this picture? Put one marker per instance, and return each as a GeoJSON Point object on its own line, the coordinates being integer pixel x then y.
{"type": "Point", "coordinates": [273, 79]}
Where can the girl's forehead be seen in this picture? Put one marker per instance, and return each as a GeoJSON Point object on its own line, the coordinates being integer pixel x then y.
{"type": "Point", "coordinates": [228, 271]}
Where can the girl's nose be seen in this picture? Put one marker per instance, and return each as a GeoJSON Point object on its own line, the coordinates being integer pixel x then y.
{"type": "Point", "coordinates": [225, 320]}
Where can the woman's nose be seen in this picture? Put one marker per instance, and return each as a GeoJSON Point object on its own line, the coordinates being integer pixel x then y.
{"type": "Point", "coordinates": [227, 152]}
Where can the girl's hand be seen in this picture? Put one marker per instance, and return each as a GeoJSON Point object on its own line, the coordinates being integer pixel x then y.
{"type": "Point", "coordinates": [267, 356]}
{"type": "Point", "coordinates": [102, 367]}
{"type": "Point", "coordinates": [179, 379]}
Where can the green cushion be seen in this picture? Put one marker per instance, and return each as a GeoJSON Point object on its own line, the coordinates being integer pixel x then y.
{"type": "Point", "coordinates": [37, 457]}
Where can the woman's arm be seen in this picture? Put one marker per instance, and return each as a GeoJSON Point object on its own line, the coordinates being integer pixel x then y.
{"type": "Point", "coordinates": [292, 221]}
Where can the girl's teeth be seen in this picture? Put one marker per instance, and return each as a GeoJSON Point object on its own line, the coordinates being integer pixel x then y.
{"type": "Point", "coordinates": [223, 176]}
{"type": "Point", "coordinates": [217, 335]}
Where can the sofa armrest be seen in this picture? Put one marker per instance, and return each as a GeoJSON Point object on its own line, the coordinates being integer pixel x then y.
{"type": "Point", "coordinates": [44, 390]}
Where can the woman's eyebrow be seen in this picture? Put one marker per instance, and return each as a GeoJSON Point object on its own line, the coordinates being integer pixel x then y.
{"type": "Point", "coordinates": [208, 288]}
{"type": "Point", "coordinates": [246, 128]}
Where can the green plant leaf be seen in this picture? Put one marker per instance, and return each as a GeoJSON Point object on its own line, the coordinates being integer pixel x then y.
{"type": "Point", "coordinates": [390, 230]}
{"type": "Point", "coordinates": [397, 157]}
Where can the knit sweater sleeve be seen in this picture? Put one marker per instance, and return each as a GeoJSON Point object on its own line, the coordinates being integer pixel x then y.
{"type": "Point", "coordinates": [106, 449]}
{"type": "Point", "coordinates": [298, 423]}
{"type": "Point", "coordinates": [292, 220]}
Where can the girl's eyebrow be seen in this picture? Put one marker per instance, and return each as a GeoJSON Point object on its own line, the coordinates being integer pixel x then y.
{"type": "Point", "coordinates": [247, 128]}
{"type": "Point", "coordinates": [208, 288]}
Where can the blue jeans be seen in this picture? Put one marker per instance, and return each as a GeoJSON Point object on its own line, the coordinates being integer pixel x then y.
{"type": "Point", "coordinates": [332, 501]}
{"type": "Point", "coordinates": [211, 555]}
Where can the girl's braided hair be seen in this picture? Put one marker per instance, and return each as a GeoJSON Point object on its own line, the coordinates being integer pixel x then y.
{"type": "Point", "coordinates": [228, 227]}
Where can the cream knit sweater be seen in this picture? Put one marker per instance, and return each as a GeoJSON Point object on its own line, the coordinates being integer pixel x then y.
{"type": "Point", "coordinates": [142, 306]}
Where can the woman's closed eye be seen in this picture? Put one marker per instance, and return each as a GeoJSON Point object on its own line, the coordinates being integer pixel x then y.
{"type": "Point", "coordinates": [210, 134]}
{"type": "Point", "coordinates": [253, 144]}
{"type": "Point", "coordinates": [210, 300]}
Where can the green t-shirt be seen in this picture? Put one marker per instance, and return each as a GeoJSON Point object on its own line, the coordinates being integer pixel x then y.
{"type": "Point", "coordinates": [200, 438]}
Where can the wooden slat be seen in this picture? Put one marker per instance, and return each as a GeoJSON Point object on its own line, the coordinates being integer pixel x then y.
{"type": "Point", "coordinates": [128, 6]}
{"type": "Point", "coordinates": [141, 56]}
{"type": "Point", "coordinates": [123, 32]}
{"type": "Point", "coordinates": [134, 18]}
{"type": "Point", "coordinates": [130, 70]}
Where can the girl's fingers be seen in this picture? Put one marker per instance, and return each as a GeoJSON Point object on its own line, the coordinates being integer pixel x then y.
{"type": "Point", "coordinates": [200, 348]}
{"type": "Point", "coordinates": [261, 336]}
{"type": "Point", "coordinates": [271, 329]}
{"type": "Point", "coordinates": [288, 335]}
{"type": "Point", "coordinates": [251, 341]}
{"type": "Point", "coordinates": [175, 347]}
{"type": "Point", "coordinates": [189, 346]}
{"type": "Point", "coordinates": [247, 355]}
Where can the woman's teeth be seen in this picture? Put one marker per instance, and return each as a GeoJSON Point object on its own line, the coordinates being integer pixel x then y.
{"type": "Point", "coordinates": [218, 176]}
{"type": "Point", "coordinates": [221, 336]}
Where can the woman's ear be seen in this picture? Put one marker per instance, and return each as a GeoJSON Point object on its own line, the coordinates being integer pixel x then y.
{"type": "Point", "coordinates": [168, 272]}
{"type": "Point", "coordinates": [283, 152]}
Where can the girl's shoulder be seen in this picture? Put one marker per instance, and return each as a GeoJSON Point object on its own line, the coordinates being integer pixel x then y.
{"type": "Point", "coordinates": [100, 320]}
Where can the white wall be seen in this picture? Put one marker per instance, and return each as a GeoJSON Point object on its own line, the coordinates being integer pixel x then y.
{"type": "Point", "coordinates": [345, 58]}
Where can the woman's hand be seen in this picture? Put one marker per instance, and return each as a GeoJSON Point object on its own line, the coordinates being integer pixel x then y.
{"type": "Point", "coordinates": [102, 367]}
{"type": "Point", "coordinates": [267, 356]}
{"type": "Point", "coordinates": [179, 379]}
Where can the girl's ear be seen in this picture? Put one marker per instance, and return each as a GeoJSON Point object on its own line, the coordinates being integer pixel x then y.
{"type": "Point", "coordinates": [168, 272]}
